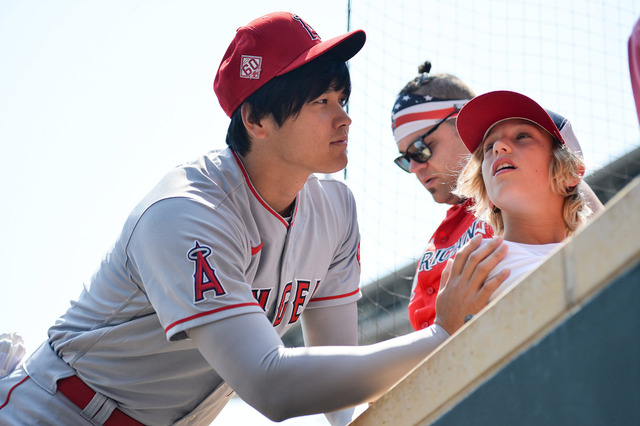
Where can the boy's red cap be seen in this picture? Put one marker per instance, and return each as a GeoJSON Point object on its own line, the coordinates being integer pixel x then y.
{"type": "Point", "coordinates": [270, 46]}
{"type": "Point", "coordinates": [484, 111]}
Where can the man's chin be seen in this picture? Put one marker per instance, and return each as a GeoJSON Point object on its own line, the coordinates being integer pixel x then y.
{"type": "Point", "coordinates": [335, 169]}
{"type": "Point", "coordinates": [440, 198]}
{"type": "Point", "coordinates": [434, 194]}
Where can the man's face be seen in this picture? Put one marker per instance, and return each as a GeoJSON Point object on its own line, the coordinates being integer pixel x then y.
{"type": "Point", "coordinates": [315, 141]}
{"type": "Point", "coordinates": [440, 173]}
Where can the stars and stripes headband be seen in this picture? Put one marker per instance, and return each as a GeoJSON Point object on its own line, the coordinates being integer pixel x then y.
{"type": "Point", "coordinates": [414, 112]}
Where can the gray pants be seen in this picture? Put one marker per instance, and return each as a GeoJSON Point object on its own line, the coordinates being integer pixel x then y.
{"type": "Point", "coordinates": [31, 397]}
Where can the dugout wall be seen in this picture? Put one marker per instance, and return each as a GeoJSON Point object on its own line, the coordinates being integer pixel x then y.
{"type": "Point", "coordinates": [561, 347]}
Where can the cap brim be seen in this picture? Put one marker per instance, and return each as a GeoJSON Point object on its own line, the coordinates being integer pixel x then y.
{"type": "Point", "coordinates": [344, 46]}
{"type": "Point", "coordinates": [481, 113]}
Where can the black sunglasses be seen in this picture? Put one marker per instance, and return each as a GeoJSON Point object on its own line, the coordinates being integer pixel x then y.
{"type": "Point", "coordinates": [417, 150]}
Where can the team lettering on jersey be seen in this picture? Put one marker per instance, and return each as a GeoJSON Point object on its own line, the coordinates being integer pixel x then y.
{"type": "Point", "coordinates": [294, 296]}
{"type": "Point", "coordinates": [262, 296]}
{"type": "Point", "coordinates": [204, 277]}
{"type": "Point", "coordinates": [205, 280]}
{"type": "Point", "coordinates": [434, 257]}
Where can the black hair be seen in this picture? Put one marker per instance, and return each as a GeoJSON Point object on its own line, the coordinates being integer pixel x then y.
{"type": "Point", "coordinates": [284, 96]}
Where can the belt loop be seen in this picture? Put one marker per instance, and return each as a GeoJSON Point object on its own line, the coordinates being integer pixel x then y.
{"type": "Point", "coordinates": [104, 411]}
{"type": "Point", "coordinates": [95, 405]}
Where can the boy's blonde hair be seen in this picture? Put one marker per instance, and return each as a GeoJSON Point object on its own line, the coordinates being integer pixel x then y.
{"type": "Point", "coordinates": [565, 167]}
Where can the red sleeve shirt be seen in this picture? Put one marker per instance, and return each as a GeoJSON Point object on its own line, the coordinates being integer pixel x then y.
{"type": "Point", "coordinates": [458, 227]}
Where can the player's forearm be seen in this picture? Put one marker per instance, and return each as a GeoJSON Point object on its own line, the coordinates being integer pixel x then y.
{"type": "Point", "coordinates": [286, 382]}
{"type": "Point", "coordinates": [330, 378]}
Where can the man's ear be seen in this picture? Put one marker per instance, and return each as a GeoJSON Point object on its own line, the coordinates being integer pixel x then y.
{"type": "Point", "coordinates": [255, 128]}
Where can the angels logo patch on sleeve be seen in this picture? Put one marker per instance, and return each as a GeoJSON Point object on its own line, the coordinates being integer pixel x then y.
{"type": "Point", "coordinates": [204, 277]}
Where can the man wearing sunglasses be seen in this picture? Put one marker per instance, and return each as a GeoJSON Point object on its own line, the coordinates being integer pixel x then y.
{"type": "Point", "coordinates": [424, 127]}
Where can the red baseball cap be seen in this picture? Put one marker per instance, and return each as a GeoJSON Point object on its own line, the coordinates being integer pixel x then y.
{"type": "Point", "coordinates": [270, 46]}
{"type": "Point", "coordinates": [478, 116]}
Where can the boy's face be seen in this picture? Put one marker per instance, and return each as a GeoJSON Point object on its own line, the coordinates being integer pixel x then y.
{"type": "Point", "coordinates": [440, 173]}
{"type": "Point", "coordinates": [516, 168]}
{"type": "Point", "coordinates": [315, 140]}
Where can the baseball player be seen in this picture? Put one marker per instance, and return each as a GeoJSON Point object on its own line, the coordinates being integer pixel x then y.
{"type": "Point", "coordinates": [227, 253]}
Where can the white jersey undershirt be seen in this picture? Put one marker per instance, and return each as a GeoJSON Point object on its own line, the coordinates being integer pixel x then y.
{"type": "Point", "coordinates": [520, 259]}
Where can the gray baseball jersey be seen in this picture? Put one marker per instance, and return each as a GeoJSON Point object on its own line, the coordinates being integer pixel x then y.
{"type": "Point", "coordinates": [201, 247]}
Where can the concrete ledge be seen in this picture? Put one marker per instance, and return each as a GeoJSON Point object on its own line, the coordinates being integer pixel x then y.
{"type": "Point", "coordinates": [577, 271]}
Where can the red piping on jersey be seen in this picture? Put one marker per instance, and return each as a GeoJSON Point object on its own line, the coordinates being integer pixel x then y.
{"type": "Point", "coordinates": [339, 296]}
{"type": "Point", "coordinates": [202, 314]}
{"type": "Point", "coordinates": [11, 390]}
{"type": "Point", "coordinates": [255, 193]}
{"type": "Point", "coordinates": [256, 249]}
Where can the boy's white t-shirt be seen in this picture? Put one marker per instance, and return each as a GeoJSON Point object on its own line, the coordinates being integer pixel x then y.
{"type": "Point", "coordinates": [520, 259]}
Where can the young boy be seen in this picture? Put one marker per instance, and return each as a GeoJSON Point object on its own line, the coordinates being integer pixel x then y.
{"type": "Point", "coordinates": [523, 175]}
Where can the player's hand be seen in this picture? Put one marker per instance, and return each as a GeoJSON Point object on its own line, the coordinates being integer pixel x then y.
{"type": "Point", "coordinates": [464, 288]}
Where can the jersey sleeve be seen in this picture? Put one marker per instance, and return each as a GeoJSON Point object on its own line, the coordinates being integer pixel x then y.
{"type": "Point", "coordinates": [341, 284]}
{"type": "Point", "coordinates": [190, 260]}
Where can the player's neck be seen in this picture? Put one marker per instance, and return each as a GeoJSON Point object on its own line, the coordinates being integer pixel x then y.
{"type": "Point", "coordinates": [276, 186]}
